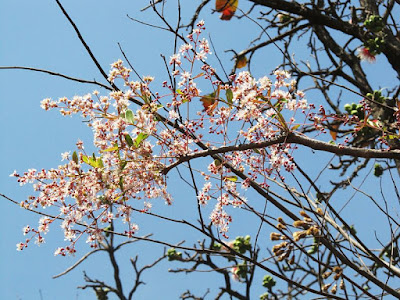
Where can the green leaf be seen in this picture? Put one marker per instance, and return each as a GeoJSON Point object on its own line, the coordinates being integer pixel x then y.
{"type": "Point", "coordinates": [129, 116]}
{"type": "Point", "coordinates": [75, 157]}
{"type": "Point", "coordinates": [121, 183]}
{"type": "Point", "coordinates": [268, 282]}
{"type": "Point", "coordinates": [256, 151]}
{"type": "Point", "coordinates": [378, 170]}
{"type": "Point", "coordinates": [128, 140]}
{"type": "Point", "coordinates": [313, 249]}
{"type": "Point", "coordinates": [93, 162]}
{"type": "Point", "coordinates": [99, 163]}
{"type": "Point", "coordinates": [140, 138]}
{"type": "Point", "coordinates": [172, 254]}
{"type": "Point", "coordinates": [179, 91]}
{"type": "Point", "coordinates": [216, 246]}
{"type": "Point", "coordinates": [295, 127]}
{"type": "Point", "coordinates": [229, 96]}
{"type": "Point", "coordinates": [242, 244]}
{"type": "Point", "coordinates": [157, 117]}
{"type": "Point", "coordinates": [123, 164]}
{"type": "Point", "coordinates": [231, 178]}
{"type": "Point", "coordinates": [217, 162]}
{"type": "Point", "coordinates": [107, 230]}
{"type": "Point", "coordinates": [353, 230]}
{"type": "Point", "coordinates": [146, 99]}
{"type": "Point", "coordinates": [110, 149]}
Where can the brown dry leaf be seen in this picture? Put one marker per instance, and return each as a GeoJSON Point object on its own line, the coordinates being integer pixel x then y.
{"type": "Point", "coordinates": [257, 101]}
{"type": "Point", "coordinates": [209, 103]}
{"type": "Point", "coordinates": [334, 132]}
{"type": "Point", "coordinates": [241, 62]}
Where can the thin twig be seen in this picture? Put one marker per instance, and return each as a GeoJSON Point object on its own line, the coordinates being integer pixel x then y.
{"type": "Point", "coordinates": [56, 74]}
{"type": "Point", "coordinates": [85, 45]}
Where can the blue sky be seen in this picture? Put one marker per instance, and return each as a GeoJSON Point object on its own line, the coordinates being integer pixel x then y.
{"type": "Point", "coordinates": [36, 34]}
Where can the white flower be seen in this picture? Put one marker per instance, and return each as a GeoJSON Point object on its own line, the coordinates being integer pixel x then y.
{"type": "Point", "coordinates": [58, 251]}
{"type": "Point", "coordinates": [14, 174]}
{"type": "Point", "coordinates": [20, 246]}
{"type": "Point", "coordinates": [26, 229]}
{"type": "Point", "coordinates": [65, 155]}
{"type": "Point", "coordinates": [173, 115]}
{"type": "Point", "coordinates": [175, 59]}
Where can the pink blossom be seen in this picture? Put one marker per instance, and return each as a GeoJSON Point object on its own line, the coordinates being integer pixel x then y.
{"type": "Point", "coordinates": [132, 148]}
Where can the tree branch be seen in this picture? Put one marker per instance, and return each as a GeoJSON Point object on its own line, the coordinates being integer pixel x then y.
{"type": "Point", "coordinates": [56, 74]}
{"type": "Point", "coordinates": [291, 138]}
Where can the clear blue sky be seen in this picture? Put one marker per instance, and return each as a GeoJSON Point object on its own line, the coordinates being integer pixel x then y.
{"type": "Point", "coordinates": [36, 34]}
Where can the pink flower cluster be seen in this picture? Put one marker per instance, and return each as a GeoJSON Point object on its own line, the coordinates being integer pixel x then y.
{"type": "Point", "coordinates": [92, 190]}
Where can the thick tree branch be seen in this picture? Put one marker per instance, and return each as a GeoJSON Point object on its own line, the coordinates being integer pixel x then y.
{"type": "Point", "coordinates": [291, 138]}
{"type": "Point", "coordinates": [313, 15]}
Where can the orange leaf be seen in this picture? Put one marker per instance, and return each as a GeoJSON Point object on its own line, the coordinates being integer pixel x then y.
{"type": "Point", "coordinates": [211, 108]}
{"type": "Point", "coordinates": [334, 132]}
{"type": "Point", "coordinates": [256, 101]}
{"type": "Point", "coordinates": [198, 75]}
{"type": "Point", "coordinates": [227, 7]}
{"type": "Point", "coordinates": [241, 62]}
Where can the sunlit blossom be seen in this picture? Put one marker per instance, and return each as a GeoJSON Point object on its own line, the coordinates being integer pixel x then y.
{"type": "Point", "coordinates": [133, 146]}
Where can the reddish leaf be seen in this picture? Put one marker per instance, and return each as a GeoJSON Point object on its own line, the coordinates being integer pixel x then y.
{"type": "Point", "coordinates": [227, 7]}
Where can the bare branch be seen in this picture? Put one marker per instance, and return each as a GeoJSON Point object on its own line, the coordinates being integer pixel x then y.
{"type": "Point", "coordinates": [292, 138]}
{"type": "Point", "coordinates": [56, 74]}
